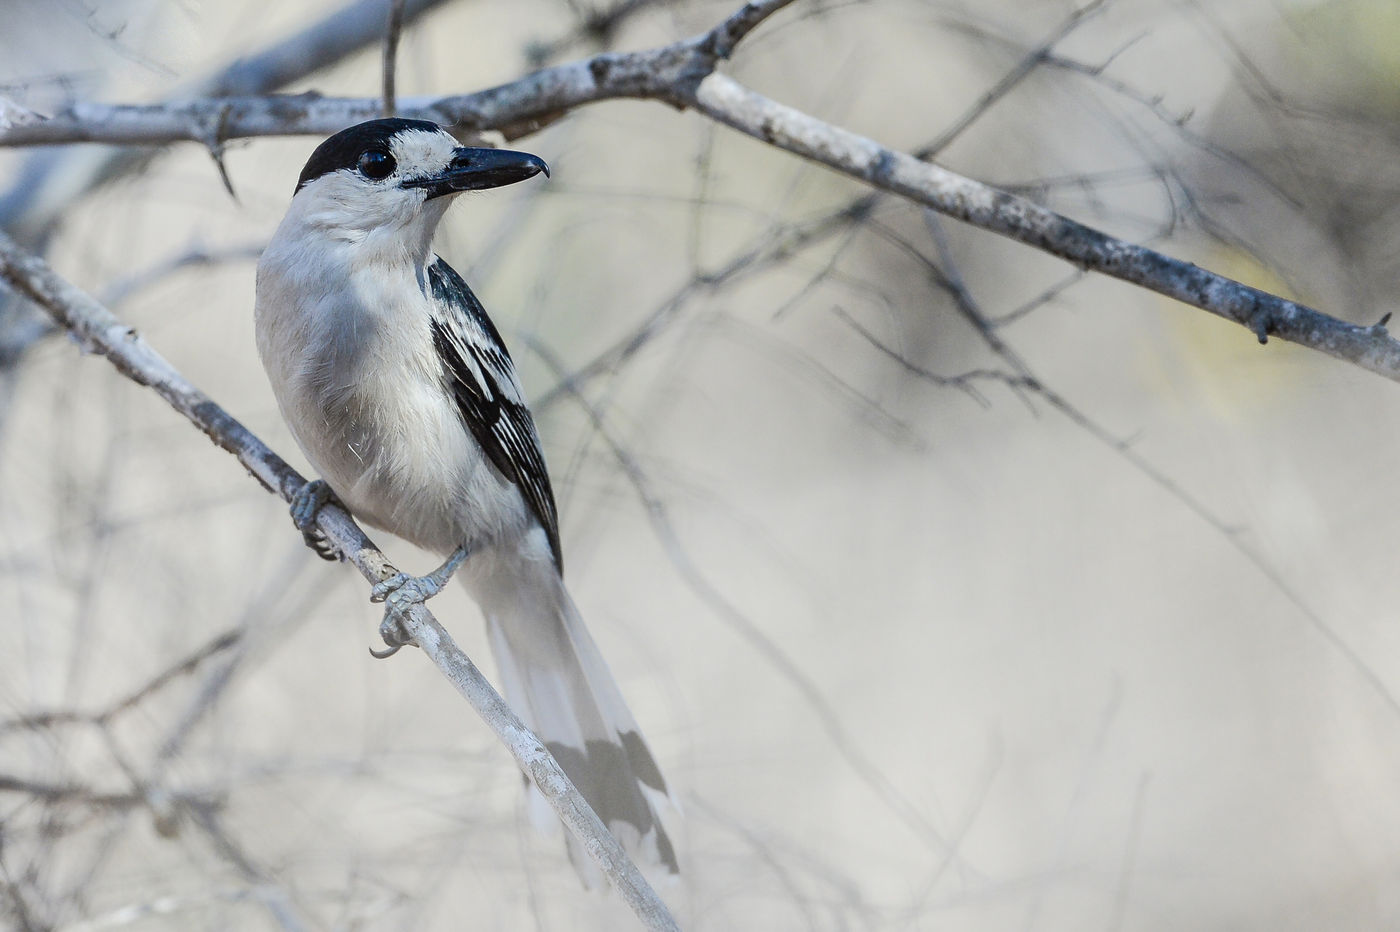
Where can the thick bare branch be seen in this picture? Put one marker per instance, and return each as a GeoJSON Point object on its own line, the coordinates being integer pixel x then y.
{"type": "Point", "coordinates": [655, 74]}
{"type": "Point", "coordinates": [991, 209]}
{"type": "Point", "coordinates": [100, 331]}
{"type": "Point", "coordinates": [683, 75]}
{"type": "Point", "coordinates": [669, 73]}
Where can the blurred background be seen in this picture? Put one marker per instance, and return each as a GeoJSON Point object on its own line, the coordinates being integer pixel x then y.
{"type": "Point", "coordinates": [1103, 637]}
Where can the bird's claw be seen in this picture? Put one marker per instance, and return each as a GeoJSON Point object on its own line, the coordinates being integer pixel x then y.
{"type": "Point", "coordinates": [322, 545]}
{"type": "Point", "coordinates": [392, 631]}
{"type": "Point", "coordinates": [401, 592]}
{"type": "Point", "coordinates": [305, 504]}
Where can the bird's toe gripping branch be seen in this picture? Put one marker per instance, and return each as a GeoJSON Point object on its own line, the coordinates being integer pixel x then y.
{"type": "Point", "coordinates": [401, 592]}
{"type": "Point", "coordinates": [305, 504]}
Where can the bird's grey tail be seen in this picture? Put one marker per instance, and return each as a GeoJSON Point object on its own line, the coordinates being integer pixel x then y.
{"type": "Point", "coordinates": [555, 678]}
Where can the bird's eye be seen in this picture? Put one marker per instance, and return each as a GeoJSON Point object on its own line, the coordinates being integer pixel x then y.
{"type": "Point", "coordinates": [376, 165]}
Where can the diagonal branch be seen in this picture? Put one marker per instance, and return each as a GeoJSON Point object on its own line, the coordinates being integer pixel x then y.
{"type": "Point", "coordinates": [1014, 217]}
{"type": "Point", "coordinates": [99, 331]}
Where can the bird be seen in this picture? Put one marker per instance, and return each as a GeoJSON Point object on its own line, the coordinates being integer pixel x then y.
{"type": "Point", "coordinates": [402, 395]}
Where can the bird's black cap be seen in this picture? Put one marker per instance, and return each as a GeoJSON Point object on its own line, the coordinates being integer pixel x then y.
{"type": "Point", "coordinates": [344, 149]}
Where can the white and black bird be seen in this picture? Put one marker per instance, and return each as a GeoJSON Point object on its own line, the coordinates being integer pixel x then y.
{"type": "Point", "coordinates": [402, 395]}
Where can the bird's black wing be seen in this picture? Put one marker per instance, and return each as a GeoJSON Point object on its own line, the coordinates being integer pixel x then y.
{"type": "Point", "coordinates": [482, 377]}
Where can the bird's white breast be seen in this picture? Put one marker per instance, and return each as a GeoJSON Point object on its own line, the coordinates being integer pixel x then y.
{"type": "Point", "coordinates": [344, 333]}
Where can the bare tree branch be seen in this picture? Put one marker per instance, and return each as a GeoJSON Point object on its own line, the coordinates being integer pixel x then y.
{"type": "Point", "coordinates": [669, 73]}
{"type": "Point", "coordinates": [683, 74]}
{"type": "Point", "coordinates": [344, 31]}
{"type": "Point", "coordinates": [983, 206]}
{"type": "Point", "coordinates": [99, 331]}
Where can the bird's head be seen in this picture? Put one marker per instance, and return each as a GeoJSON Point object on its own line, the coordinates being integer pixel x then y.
{"type": "Point", "coordinates": [395, 175]}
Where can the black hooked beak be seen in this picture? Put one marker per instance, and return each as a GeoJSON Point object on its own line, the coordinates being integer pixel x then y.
{"type": "Point", "coordinates": [475, 169]}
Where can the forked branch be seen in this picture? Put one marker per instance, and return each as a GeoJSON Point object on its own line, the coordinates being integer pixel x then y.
{"type": "Point", "coordinates": [684, 75]}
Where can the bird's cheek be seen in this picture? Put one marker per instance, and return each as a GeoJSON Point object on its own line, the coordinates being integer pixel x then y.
{"type": "Point", "coordinates": [410, 206]}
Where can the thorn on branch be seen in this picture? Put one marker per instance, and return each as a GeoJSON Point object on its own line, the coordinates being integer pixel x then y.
{"type": "Point", "coordinates": [1378, 328]}
{"type": "Point", "coordinates": [218, 156]}
{"type": "Point", "coordinates": [215, 144]}
{"type": "Point", "coordinates": [1261, 323]}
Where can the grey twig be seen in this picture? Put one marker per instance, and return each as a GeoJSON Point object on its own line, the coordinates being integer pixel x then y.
{"type": "Point", "coordinates": [181, 667]}
{"type": "Point", "coordinates": [596, 26]}
{"type": "Point", "coordinates": [721, 40]}
{"type": "Point", "coordinates": [122, 289]}
{"type": "Point", "coordinates": [273, 897]}
{"type": "Point", "coordinates": [99, 331]}
{"type": "Point", "coordinates": [1024, 67]}
{"type": "Point", "coordinates": [392, 32]}
{"type": "Point", "coordinates": [68, 792]}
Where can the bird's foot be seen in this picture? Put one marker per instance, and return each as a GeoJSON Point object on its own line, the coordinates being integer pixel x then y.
{"type": "Point", "coordinates": [305, 504]}
{"type": "Point", "coordinates": [401, 592]}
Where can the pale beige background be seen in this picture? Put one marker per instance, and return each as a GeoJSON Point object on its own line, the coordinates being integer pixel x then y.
{"type": "Point", "coordinates": [1053, 695]}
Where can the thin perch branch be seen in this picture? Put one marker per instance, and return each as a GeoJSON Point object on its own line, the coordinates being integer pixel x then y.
{"type": "Point", "coordinates": [99, 331]}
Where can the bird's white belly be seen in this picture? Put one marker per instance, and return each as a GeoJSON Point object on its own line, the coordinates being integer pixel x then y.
{"type": "Point", "coordinates": [367, 403]}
